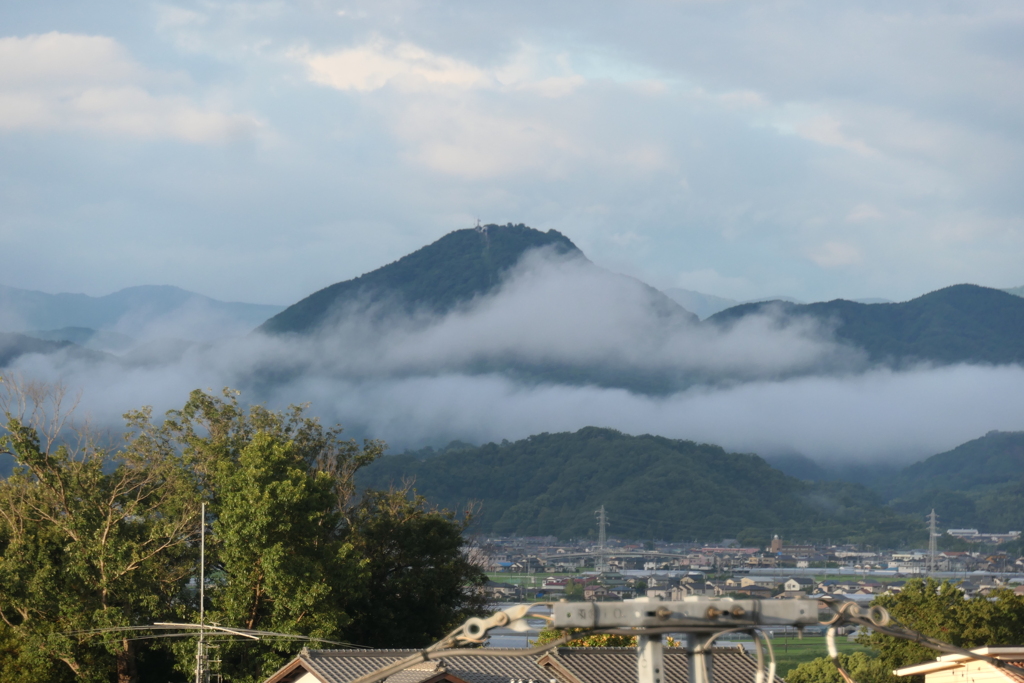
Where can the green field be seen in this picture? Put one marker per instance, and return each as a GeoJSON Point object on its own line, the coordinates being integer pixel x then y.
{"type": "Point", "coordinates": [791, 651]}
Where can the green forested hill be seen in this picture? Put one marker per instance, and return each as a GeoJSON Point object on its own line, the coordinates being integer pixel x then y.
{"type": "Point", "coordinates": [977, 484]}
{"type": "Point", "coordinates": [452, 270]}
{"type": "Point", "coordinates": [652, 487]}
{"type": "Point", "coordinates": [962, 323]}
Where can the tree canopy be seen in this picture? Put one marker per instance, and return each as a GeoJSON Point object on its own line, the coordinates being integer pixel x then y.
{"type": "Point", "coordinates": [939, 610]}
{"type": "Point", "coordinates": [98, 538]}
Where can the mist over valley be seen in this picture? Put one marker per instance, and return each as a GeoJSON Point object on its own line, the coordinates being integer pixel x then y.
{"type": "Point", "coordinates": [504, 332]}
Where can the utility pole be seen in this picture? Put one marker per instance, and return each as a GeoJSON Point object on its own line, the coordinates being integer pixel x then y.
{"type": "Point", "coordinates": [932, 541]}
{"type": "Point", "coordinates": [201, 648]}
{"type": "Point", "coordinates": [602, 538]}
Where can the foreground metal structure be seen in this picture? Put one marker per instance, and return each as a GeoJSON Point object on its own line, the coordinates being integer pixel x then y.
{"type": "Point", "coordinates": [698, 620]}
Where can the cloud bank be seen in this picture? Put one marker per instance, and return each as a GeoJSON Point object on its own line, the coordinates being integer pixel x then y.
{"type": "Point", "coordinates": [761, 386]}
{"type": "Point", "coordinates": [61, 81]}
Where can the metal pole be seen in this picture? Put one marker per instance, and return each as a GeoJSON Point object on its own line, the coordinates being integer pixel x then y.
{"type": "Point", "coordinates": [650, 664]}
{"type": "Point", "coordinates": [701, 669]}
{"type": "Point", "coordinates": [200, 652]}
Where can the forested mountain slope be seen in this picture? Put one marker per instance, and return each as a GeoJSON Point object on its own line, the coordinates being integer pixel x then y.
{"type": "Point", "coordinates": [435, 279]}
{"type": "Point", "coordinates": [652, 487]}
{"type": "Point", "coordinates": [977, 484]}
{"type": "Point", "coordinates": [962, 323]}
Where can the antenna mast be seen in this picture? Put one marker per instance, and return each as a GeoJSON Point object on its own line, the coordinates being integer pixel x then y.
{"type": "Point", "coordinates": [201, 648]}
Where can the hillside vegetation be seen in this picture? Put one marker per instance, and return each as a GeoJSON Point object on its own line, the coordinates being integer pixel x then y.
{"type": "Point", "coordinates": [977, 484]}
{"type": "Point", "coordinates": [652, 487]}
{"type": "Point", "coordinates": [962, 323]}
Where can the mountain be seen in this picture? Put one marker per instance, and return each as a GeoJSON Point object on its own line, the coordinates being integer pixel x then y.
{"type": "Point", "coordinates": [706, 305]}
{"type": "Point", "coordinates": [962, 323]}
{"type": "Point", "coordinates": [98, 340]}
{"type": "Point", "coordinates": [14, 345]}
{"type": "Point", "coordinates": [702, 305]}
{"type": "Point", "coordinates": [435, 279]}
{"type": "Point", "coordinates": [151, 309]}
{"type": "Point", "coordinates": [977, 484]}
{"type": "Point", "coordinates": [652, 487]}
{"type": "Point", "coordinates": [1016, 291]}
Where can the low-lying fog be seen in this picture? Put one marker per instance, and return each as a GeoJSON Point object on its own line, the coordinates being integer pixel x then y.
{"type": "Point", "coordinates": [484, 373]}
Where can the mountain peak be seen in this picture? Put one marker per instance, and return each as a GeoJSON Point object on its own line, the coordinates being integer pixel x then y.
{"type": "Point", "coordinates": [440, 276]}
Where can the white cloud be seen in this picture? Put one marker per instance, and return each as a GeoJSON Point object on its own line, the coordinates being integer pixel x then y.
{"type": "Point", "coordinates": [60, 81]}
{"type": "Point", "coordinates": [835, 254]}
{"type": "Point", "coordinates": [823, 128]}
{"type": "Point", "coordinates": [377, 63]}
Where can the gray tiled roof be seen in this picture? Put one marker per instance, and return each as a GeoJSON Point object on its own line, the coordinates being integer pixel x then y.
{"type": "Point", "coordinates": [615, 664]}
{"type": "Point", "coordinates": [565, 665]}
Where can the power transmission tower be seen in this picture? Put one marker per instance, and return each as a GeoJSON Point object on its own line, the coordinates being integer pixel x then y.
{"type": "Point", "coordinates": [933, 536]}
{"type": "Point", "coordinates": [602, 537]}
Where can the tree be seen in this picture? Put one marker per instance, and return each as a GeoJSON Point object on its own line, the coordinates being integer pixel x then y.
{"type": "Point", "coordinates": [594, 639]}
{"type": "Point", "coordinates": [95, 540]}
{"type": "Point", "coordinates": [89, 541]}
{"type": "Point", "coordinates": [941, 610]}
{"type": "Point", "coordinates": [418, 584]}
{"type": "Point", "coordinates": [301, 551]}
{"type": "Point", "coordinates": [574, 590]}
{"type": "Point", "coordinates": [938, 610]}
{"type": "Point", "coordinates": [861, 666]}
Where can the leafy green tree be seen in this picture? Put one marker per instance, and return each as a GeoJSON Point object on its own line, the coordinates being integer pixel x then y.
{"type": "Point", "coordinates": [418, 584]}
{"type": "Point", "coordinates": [284, 566]}
{"type": "Point", "coordinates": [574, 590]}
{"type": "Point", "coordinates": [97, 540]}
{"type": "Point", "coordinates": [861, 666]}
{"type": "Point", "coordinates": [940, 610]}
{"type": "Point", "coordinates": [299, 551]}
{"type": "Point", "coordinates": [89, 541]}
{"type": "Point", "coordinates": [594, 639]}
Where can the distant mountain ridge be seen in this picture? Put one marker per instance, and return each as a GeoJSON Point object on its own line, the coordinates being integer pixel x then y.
{"type": "Point", "coordinates": [961, 323]}
{"type": "Point", "coordinates": [125, 311]}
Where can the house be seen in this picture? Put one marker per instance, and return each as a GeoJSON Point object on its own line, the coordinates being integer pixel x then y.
{"type": "Point", "coordinates": [755, 591]}
{"type": "Point", "coordinates": [563, 665]}
{"type": "Point", "coordinates": [798, 583]}
{"type": "Point", "coordinates": [501, 591]}
{"type": "Point", "coordinates": [963, 669]}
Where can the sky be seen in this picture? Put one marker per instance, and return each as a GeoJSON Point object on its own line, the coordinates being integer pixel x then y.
{"type": "Point", "coordinates": [258, 151]}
